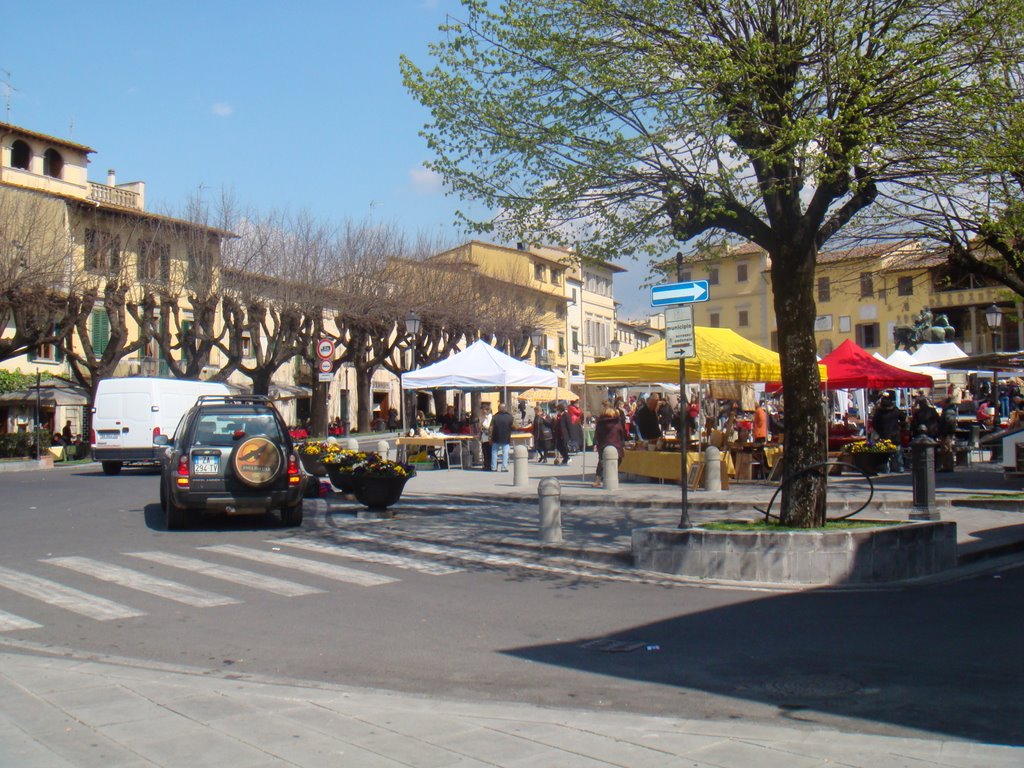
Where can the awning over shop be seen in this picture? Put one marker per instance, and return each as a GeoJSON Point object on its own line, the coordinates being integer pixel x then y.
{"type": "Point", "coordinates": [50, 394]}
{"type": "Point", "coordinates": [289, 392]}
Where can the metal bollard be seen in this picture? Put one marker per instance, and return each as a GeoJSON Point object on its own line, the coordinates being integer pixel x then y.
{"type": "Point", "coordinates": [922, 473]}
{"type": "Point", "coordinates": [712, 469]}
{"type": "Point", "coordinates": [520, 467]}
{"type": "Point", "coordinates": [351, 444]}
{"type": "Point", "coordinates": [550, 492]}
{"type": "Point", "coordinates": [610, 467]}
{"type": "Point", "coordinates": [383, 448]}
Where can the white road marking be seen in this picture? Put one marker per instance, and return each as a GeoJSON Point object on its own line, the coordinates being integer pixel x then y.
{"type": "Point", "coordinates": [142, 582]}
{"type": "Point", "coordinates": [68, 598]}
{"type": "Point", "coordinates": [326, 570]}
{"type": "Point", "coordinates": [9, 622]}
{"type": "Point", "coordinates": [398, 561]}
{"type": "Point", "coordinates": [228, 573]}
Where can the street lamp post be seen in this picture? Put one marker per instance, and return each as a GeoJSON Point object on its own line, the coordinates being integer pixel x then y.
{"type": "Point", "coordinates": [412, 328]}
{"type": "Point", "coordinates": [615, 346]}
{"type": "Point", "coordinates": [994, 318]}
{"type": "Point", "coordinates": [537, 338]}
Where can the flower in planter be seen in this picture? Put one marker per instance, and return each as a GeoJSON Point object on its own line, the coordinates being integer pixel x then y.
{"type": "Point", "coordinates": [312, 449]}
{"type": "Point", "coordinates": [360, 464]}
{"type": "Point", "coordinates": [879, 446]}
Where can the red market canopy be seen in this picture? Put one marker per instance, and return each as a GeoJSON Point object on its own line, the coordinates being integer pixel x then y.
{"type": "Point", "coordinates": [850, 367]}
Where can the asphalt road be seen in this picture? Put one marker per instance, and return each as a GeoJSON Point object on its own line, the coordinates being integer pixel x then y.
{"type": "Point", "coordinates": [940, 660]}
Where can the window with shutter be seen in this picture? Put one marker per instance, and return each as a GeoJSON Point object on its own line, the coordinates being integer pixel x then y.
{"type": "Point", "coordinates": [99, 331]}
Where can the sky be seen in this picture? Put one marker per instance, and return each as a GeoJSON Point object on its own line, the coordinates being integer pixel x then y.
{"type": "Point", "coordinates": [296, 105]}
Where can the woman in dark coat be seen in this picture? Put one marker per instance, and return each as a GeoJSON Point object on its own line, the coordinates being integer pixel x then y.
{"type": "Point", "coordinates": [608, 431]}
{"type": "Point", "coordinates": [541, 435]}
{"type": "Point", "coordinates": [563, 433]}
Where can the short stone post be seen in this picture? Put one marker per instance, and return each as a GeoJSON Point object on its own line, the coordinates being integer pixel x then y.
{"type": "Point", "coordinates": [520, 467]}
{"type": "Point", "coordinates": [610, 467]}
{"type": "Point", "coordinates": [383, 448]}
{"type": "Point", "coordinates": [550, 492]}
{"type": "Point", "coordinates": [712, 469]}
{"type": "Point", "coordinates": [922, 472]}
{"type": "Point", "coordinates": [351, 444]}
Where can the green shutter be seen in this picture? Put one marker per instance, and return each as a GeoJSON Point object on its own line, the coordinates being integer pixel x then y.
{"type": "Point", "coordinates": [100, 331]}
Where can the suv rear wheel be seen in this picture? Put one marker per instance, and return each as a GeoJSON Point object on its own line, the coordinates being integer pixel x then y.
{"type": "Point", "coordinates": [111, 467]}
{"type": "Point", "coordinates": [174, 516]}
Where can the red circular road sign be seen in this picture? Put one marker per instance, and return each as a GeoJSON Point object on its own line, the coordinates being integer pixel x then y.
{"type": "Point", "coordinates": [325, 349]}
{"type": "Point", "coordinates": [326, 366]}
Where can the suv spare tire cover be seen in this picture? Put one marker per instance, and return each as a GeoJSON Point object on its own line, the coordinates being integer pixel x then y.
{"type": "Point", "coordinates": [257, 462]}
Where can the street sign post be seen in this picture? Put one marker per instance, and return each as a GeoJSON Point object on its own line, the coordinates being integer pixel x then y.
{"type": "Point", "coordinates": [689, 292]}
{"type": "Point", "coordinates": [679, 343]}
{"type": "Point", "coordinates": [325, 349]}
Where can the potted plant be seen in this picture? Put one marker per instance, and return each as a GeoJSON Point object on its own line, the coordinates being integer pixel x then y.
{"type": "Point", "coordinates": [870, 457]}
{"type": "Point", "coordinates": [376, 482]}
{"type": "Point", "coordinates": [311, 453]}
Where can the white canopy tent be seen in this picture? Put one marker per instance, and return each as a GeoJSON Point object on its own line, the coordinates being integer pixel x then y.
{"type": "Point", "coordinates": [903, 359]}
{"type": "Point", "coordinates": [479, 366]}
{"type": "Point", "coordinates": [943, 350]}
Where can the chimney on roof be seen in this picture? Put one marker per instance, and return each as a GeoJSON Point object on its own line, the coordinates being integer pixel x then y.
{"type": "Point", "coordinates": [111, 178]}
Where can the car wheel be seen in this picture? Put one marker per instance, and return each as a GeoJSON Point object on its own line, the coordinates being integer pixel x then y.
{"type": "Point", "coordinates": [292, 516]}
{"type": "Point", "coordinates": [111, 467]}
{"type": "Point", "coordinates": [174, 516]}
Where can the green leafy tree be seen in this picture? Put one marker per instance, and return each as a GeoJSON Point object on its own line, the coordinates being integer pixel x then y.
{"type": "Point", "coordinates": [622, 127]}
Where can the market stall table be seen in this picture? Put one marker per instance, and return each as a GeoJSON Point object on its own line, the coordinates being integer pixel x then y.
{"type": "Point", "coordinates": [434, 441]}
{"type": "Point", "coordinates": [664, 465]}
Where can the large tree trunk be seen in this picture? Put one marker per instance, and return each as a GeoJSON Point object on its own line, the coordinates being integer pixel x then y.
{"type": "Point", "coordinates": [318, 408]}
{"type": "Point", "coordinates": [803, 501]}
{"type": "Point", "coordinates": [364, 395]}
{"type": "Point", "coordinates": [261, 378]}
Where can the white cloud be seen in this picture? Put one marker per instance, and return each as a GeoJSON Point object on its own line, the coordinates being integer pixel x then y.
{"type": "Point", "coordinates": [425, 181]}
{"type": "Point", "coordinates": [222, 109]}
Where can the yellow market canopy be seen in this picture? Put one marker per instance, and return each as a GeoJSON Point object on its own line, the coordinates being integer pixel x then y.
{"type": "Point", "coordinates": [722, 355]}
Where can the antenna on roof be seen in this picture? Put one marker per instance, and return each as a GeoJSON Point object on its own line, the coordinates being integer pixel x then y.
{"type": "Point", "coordinates": [8, 89]}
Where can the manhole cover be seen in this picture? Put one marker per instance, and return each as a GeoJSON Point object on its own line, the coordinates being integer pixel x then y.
{"type": "Point", "coordinates": [813, 686]}
{"type": "Point", "coordinates": [618, 646]}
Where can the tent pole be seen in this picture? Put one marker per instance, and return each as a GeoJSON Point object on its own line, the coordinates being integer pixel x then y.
{"type": "Point", "coordinates": [583, 432]}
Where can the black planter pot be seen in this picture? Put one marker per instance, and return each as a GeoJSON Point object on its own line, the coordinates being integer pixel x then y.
{"type": "Point", "coordinates": [870, 463]}
{"type": "Point", "coordinates": [313, 466]}
{"type": "Point", "coordinates": [379, 493]}
{"type": "Point", "coordinates": [343, 481]}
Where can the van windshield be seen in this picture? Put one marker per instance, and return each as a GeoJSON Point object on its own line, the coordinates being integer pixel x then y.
{"type": "Point", "coordinates": [220, 429]}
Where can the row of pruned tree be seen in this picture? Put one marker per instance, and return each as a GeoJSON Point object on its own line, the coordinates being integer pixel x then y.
{"type": "Point", "coordinates": [214, 291]}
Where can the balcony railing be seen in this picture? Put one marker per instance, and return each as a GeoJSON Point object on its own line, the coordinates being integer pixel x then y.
{"type": "Point", "coordinates": [101, 193]}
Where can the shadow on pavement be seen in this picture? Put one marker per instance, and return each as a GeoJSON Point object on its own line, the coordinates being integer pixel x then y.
{"type": "Point", "coordinates": [198, 522]}
{"type": "Point", "coordinates": [945, 659]}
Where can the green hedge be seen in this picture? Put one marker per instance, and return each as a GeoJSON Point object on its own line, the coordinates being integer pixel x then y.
{"type": "Point", "coordinates": [17, 445]}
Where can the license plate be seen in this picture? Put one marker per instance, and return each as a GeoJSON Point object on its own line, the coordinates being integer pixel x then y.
{"type": "Point", "coordinates": [205, 465]}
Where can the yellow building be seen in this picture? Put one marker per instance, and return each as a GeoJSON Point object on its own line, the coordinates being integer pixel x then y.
{"type": "Point", "coordinates": [534, 279]}
{"type": "Point", "coordinates": [55, 215]}
{"type": "Point", "coordinates": [862, 294]}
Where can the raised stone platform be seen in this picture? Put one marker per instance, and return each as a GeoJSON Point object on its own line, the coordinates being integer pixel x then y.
{"type": "Point", "coordinates": [815, 557]}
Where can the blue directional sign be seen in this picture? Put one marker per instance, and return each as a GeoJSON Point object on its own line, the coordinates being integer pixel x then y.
{"type": "Point", "coordinates": [679, 293]}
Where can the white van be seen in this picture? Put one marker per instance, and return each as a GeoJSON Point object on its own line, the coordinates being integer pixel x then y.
{"type": "Point", "coordinates": [129, 412]}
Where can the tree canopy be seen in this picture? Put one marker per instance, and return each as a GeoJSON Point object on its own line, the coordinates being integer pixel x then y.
{"type": "Point", "coordinates": [618, 128]}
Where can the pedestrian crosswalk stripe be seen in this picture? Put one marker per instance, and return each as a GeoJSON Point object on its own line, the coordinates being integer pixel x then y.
{"type": "Point", "coordinates": [9, 622]}
{"type": "Point", "coordinates": [142, 582]}
{"type": "Point", "coordinates": [398, 561]}
{"type": "Point", "coordinates": [68, 598]}
{"type": "Point", "coordinates": [326, 570]}
{"type": "Point", "coordinates": [228, 573]}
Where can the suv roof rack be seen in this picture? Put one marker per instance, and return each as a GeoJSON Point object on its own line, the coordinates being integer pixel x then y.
{"type": "Point", "coordinates": [237, 399]}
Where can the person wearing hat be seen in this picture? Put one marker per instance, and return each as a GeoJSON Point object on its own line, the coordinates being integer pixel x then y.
{"type": "Point", "coordinates": [485, 434]}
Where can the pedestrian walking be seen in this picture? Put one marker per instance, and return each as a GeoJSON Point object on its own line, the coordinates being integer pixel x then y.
{"type": "Point", "coordinates": [542, 435]}
{"type": "Point", "coordinates": [608, 431]}
{"type": "Point", "coordinates": [501, 437]}
{"type": "Point", "coordinates": [563, 433]}
{"type": "Point", "coordinates": [485, 434]}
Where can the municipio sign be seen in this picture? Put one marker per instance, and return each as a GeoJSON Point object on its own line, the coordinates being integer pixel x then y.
{"type": "Point", "coordinates": [325, 349]}
{"type": "Point", "coordinates": [679, 342]}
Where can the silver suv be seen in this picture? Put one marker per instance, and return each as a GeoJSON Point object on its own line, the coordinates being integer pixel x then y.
{"type": "Point", "coordinates": [231, 454]}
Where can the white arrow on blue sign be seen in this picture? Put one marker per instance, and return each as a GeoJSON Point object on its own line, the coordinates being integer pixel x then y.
{"type": "Point", "coordinates": [679, 293]}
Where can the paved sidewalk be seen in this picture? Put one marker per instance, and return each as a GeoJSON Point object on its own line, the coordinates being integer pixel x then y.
{"type": "Point", "coordinates": [74, 710]}
{"type": "Point", "coordinates": [597, 523]}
